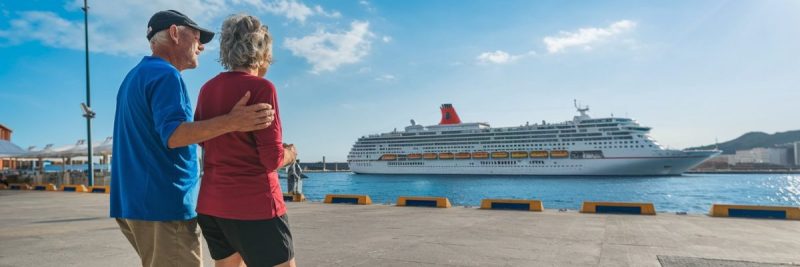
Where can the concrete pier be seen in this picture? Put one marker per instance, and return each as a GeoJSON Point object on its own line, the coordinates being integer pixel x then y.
{"type": "Point", "coordinates": [73, 229]}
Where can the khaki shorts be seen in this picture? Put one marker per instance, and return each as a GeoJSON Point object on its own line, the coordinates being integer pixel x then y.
{"type": "Point", "coordinates": [170, 243]}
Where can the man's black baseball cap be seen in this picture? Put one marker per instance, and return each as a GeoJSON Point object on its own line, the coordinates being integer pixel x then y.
{"type": "Point", "coordinates": [163, 19]}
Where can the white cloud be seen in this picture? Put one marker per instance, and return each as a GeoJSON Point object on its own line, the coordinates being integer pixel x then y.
{"type": "Point", "coordinates": [386, 77]}
{"type": "Point", "coordinates": [494, 57]}
{"type": "Point", "coordinates": [115, 27]}
{"type": "Point", "coordinates": [501, 57]}
{"type": "Point", "coordinates": [327, 51]}
{"type": "Point", "coordinates": [291, 9]}
{"type": "Point", "coordinates": [118, 27]}
{"type": "Point", "coordinates": [386, 39]}
{"type": "Point", "coordinates": [367, 5]}
{"type": "Point", "coordinates": [54, 36]}
{"type": "Point", "coordinates": [584, 37]}
{"type": "Point", "coordinates": [332, 14]}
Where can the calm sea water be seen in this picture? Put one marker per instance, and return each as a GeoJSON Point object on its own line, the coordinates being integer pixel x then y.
{"type": "Point", "coordinates": [692, 193]}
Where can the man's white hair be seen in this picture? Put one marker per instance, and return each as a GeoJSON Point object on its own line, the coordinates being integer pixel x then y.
{"type": "Point", "coordinates": [162, 37]}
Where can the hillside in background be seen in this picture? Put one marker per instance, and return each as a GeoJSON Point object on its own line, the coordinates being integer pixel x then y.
{"type": "Point", "coordinates": [755, 139]}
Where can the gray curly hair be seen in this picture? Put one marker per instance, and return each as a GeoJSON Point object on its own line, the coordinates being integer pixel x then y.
{"type": "Point", "coordinates": [244, 42]}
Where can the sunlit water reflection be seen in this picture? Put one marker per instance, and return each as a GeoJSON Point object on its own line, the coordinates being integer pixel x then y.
{"type": "Point", "coordinates": [691, 193]}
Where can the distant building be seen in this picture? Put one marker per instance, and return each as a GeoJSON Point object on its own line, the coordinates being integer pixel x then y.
{"type": "Point", "coordinates": [323, 166]}
{"type": "Point", "coordinates": [796, 153]}
{"type": "Point", "coordinates": [773, 156]}
{"type": "Point", "coordinates": [5, 134]}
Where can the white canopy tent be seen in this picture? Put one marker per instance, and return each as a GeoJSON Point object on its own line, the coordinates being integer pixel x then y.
{"type": "Point", "coordinates": [65, 154]}
{"type": "Point", "coordinates": [68, 151]}
{"type": "Point", "coordinates": [10, 150]}
{"type": "Point", "coordinates": [63, 151]}
{"type": "Point", "coordinates": [105, 147]}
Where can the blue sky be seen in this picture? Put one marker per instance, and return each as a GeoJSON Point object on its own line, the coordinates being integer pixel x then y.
{"type": "Point", "coordinates": [692, 70]}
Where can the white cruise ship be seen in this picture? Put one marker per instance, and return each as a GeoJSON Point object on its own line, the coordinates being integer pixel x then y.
{"type": "Point", "coordinates": [582, 146]}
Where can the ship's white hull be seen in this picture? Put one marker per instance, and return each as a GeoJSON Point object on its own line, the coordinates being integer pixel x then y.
{"type": "Point", "coordinates": [622, 166]}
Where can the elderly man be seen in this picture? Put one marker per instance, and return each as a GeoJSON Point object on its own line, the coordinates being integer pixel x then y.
{"type": "Point", "coordinates": [154, 181]}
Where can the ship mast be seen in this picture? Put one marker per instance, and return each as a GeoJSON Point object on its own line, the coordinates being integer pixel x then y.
{"type": "Point", "coordinates": [583, 111]}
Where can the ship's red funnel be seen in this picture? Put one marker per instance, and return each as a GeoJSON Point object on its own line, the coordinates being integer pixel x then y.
{"type": "Point", "coordinates": [449, 115]}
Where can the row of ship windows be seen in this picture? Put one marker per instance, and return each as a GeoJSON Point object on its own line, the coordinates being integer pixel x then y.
{"type": "Point", "coordinates": [539, 134]}
{"type": "Point", "coordinates": [407, 163]}
{"type": "Point", "coordinates": [589, 121]}
{"type": "Point", "coordinates": [615, 142]}
{"type": "Point", "coordinates": [449, 140]}
{"type": "Point", "coordinates": [453, 147]}
{"type": "Point", "coordinates": [512, 162]}
{"type": "Point", "coordinates": [599, 125]}
{"type": "Point", "coordinates": [540, 163]}
{"type": "Point", "coordinates": [600, 138]}
{"type": "Point", "coordinates": [532, 145]}
{"type": "Point", "coordinates": [501, 142]}
{"type": "Point", "coordinates": [450, 149]}
{"type": "Point", "coordinates": [450, 134]}
{"type": "Point", "coordinates": [498, 165]}
{"type": "Point", "coordinates": [444, 151]}
{"type": "Point", "coordinates": [472, 145]}
{"type": "Point", "coordinates": [632, 146]}
{"type": "Point", "coordinates": [514, 146]}
{"type": "Point", "coordinates": [486, 146]}
{"type": "Point", "coordinates": [502, 162]}
{"type": "Point", "coordinates": [499, 139]}
{"type": "Point", "coordinates": [463, 133]}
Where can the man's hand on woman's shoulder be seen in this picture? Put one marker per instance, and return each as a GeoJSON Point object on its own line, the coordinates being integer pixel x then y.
{"type": "Point", "coordinates": [243, 118]}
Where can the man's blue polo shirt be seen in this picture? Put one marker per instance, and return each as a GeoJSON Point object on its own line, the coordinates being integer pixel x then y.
{"type": "Point", "coordinates": [149, 181]}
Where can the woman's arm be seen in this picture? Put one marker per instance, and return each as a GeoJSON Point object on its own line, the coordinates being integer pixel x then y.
{"type": "Point", "coordinates": [272, 153]}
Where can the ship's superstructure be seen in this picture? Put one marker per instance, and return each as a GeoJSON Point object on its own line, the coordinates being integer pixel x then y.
{"type": "Point", "coordinates": [582, 146]}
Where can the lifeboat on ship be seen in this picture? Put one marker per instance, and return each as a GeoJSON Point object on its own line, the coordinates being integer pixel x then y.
{"type": "Point", "coordinates": [540, 154]}
{"type": "Point", "coordinates": [519, 154]}
{"type": "Point", "coordinates": [429, 156]}
{"type": "Point", "coordinates": [463, 155]}
{"type": "Point", "coordinates": [559, 154]}
{"type": "Point", "coordinates": [415, 156]}
{"type": "Point", "coordinates": [499, 155]}
{"type": "Point", "coordinates": [480, 155]}
{"type": "Point", "coordinates": [446, 155]}
{"type": "Point", "coordinates": [389, 157]}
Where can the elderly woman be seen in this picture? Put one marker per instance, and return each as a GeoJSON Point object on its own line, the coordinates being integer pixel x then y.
{"type": "Point", "coordinates": [240, 207]}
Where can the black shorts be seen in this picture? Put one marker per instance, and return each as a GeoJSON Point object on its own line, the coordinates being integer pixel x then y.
{"type": "Point", "coordinates": [259, 242]}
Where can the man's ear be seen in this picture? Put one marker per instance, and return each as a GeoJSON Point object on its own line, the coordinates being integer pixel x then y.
{"type": "Point", "coordinates": [173, 34]}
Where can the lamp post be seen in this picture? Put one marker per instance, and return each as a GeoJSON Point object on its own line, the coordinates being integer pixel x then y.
{"type": "Point", "coordinates": [87, 107]}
